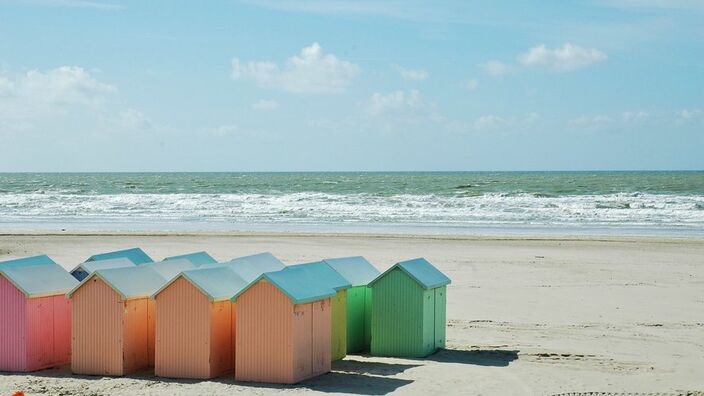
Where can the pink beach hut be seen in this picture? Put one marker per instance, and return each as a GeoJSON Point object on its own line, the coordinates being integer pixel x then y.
{"type": "Point", "coordinates": [35, 316]}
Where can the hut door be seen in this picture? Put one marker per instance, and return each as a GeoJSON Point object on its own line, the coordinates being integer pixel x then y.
{"type": "Point", "coordinates": [321, 336]}
{"type": "Point", "coordinates": [42, 351]}
{"type": "Point", "coordinates": [439, 317]}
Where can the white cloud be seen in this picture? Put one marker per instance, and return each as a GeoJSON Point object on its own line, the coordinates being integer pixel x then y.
{"type": "Point", "coordinates": [265, 104]}
{"type": "Point", "coordinates": [686, 115]}
{"type": "Point", "coordinates": [593, 120]}
{"type": "Point", "coordinates": [221, 131]}
{"type": "Point", "coordinates": [134, 119]}
{"type": "Point", "coordinates": [488, 122]}
{"type": "Point", "coordinates": [567, 58]}
{"type": "Point", "coordinates": [497, 68]}
{"type": "Point", "coordinates": [394, 102]}
{"type": "Point", "coordinates": [635, 116]}
{"type": "Point", "coordinates": [412, 74]}
{"type": "Point", "coordinates": [35, 93]}
{"type": "Point", "coordinates": [311, 71]}
{"type": "Point", "coordinates": [471, 85]}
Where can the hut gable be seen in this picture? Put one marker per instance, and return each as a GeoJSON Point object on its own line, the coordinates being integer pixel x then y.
{"type": "Point", "coordinates": [421, 271]}
{"type": "Point", "coordinates": [356, 270]}
{"type": "Point", "coordinates": [252, 267]}
{"type": "Point", "coordinates": [323, 273]}
{"type": "Point", "coordinates": [37, 279]}
{"type": "Point", "coordinates": [41, 259]}
{"type": "Point", "coordinates": [216, 283]}
{"type": "Point", "coordinates": [197, 258]}
{"type": "Point", "coordinates": [129, 283]}
{"type": "Point", "coordinates": [136, 255]}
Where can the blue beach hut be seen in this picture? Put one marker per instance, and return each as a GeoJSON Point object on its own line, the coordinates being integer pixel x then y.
{"type": "Point", "coordinates": [197, 258]}
{"type": "Point", "coordinates": [136, 255]}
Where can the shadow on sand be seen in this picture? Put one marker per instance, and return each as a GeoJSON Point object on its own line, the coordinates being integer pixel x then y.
{"type": "Point", "coordinates": [479, 357]}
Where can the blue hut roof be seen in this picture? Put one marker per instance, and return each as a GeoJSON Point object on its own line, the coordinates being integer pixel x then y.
{"type": "Point", "coordinates": [356, 270]}
{"type": "Point", "coordinates": [91, 266]}
{"type": "Point", "coordinates": [197, 258]}
{"type": "Point", "coordinates": [420, 269]}
{"type": "Point", "coordinates": [131, 282]}
{"type": "Point", "coordinates": [296, 285]}
{"type": "Point", "coordinates": [32, 260]}
{"type": "Point", "coordinates": [39, 279]}
{"type": "Point", "coordinates": [170, 268]}
{"type": "Point", "coordinates": [136, 255]}
{"type": "Point", "coordinates": [321, 272]}
{"type": "Point", "coordinates": [252, 267]}
{"type": "Point", "coordinates": [216, 282]}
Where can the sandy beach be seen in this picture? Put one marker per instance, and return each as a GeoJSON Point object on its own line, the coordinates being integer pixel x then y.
{"type": "Point", "coordinates": [533, 316]}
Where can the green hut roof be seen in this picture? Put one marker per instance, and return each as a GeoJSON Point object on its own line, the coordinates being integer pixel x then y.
{"type": "Point", "coordinates": [135, 282]}
{"type": "Point", "coordinates": [197, 258]}
{"type": "Point", "coordinates": [136, 255]}
{"type": "Point", "coordinates": [91, 266]}
{"type": "Point", "coordinates": [424, 273]}
{"type": "Point", "coordinates": [217, 283]}
{"type": "Point", "coordinates": [322, 272]}
{"type": "Point", "coordinates": [356, 270]}
{"type": "Point", "coordinates": [39, 279]}
{"type": "Point", "coordinates": [41, 259]}
{"type": "Point", "coordinates": [299, 287]}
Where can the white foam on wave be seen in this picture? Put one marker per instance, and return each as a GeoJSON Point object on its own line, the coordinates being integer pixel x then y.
{"type": "Point", "coordinates": [647, 210]}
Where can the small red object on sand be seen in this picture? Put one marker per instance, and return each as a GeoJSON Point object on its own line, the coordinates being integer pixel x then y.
{"type": "Point", "coordinates": [18, 393]}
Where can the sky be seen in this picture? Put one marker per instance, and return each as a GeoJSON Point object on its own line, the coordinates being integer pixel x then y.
{"type": "Point", "coordinates": [342, 85]}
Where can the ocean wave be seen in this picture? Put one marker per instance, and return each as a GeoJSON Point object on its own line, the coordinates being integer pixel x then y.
{"type": "Point", "coordinates": [643, 210]}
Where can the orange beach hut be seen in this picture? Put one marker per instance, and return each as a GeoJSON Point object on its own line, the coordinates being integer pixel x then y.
{"type": "Point", "coordinates": [35, 316]}
{"type": "Point", "coordinates": [113, 321]}
{"type": "Point", "coordinates": [194, 323]}
{"type": "Point", "coordinates": [282, 328]}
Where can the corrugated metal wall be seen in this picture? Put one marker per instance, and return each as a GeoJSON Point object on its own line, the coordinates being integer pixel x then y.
{"type": "Point", "coordinates": [151, 328]}
{"type": "Point", "coordinates": [13, 355]}
{"type": "Point", "coordinates": [440, 316]}
{"type": "Point", "coordinates": [303, 342]}
{"type": "Point", "coordinates": [62, 330]}
{"type": "Point", "coordinates": [182, 332]}
{"type": "Point", "coordinates": [397, 316]}
{"type": "Point", "coordinates": [264, 343]}
{"type": "Point", "coordinates": [368, 318]}
{"type": "Point", "coordinates": [339, 325]}
{"type": "Point", "coordinates": [136, 335]}
{"type": "Point", "coordinates": [96, 323]}
{"type": "Point", "coordinates": [221, 346]}
{"type": "Point", "coordinates": [48, 332]}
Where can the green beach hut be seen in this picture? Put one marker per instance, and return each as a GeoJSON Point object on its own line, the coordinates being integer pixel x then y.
{"type": "Point", "coordinates": [328, 277]}
{"type": "Point", "coordinates": [358, 272]}
{"type": "Point", "coordinates": [409, 310]}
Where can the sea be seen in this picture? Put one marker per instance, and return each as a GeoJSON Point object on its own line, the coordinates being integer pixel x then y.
{"type": "Point", "coordinates": [482, 203]}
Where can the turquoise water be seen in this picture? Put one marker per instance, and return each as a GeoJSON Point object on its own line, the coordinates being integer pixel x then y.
{"type": "Point", "coordinates": [428, 201]}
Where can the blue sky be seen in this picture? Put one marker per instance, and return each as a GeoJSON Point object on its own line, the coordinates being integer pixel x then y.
{"type": "Point", "coordinates": [262, 85]}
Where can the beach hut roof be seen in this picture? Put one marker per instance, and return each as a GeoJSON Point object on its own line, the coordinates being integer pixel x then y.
{"type": "Point", "coordinates": [296, 285]}
{"type": "Point", "coordinates": [170, 268]}
{"type": "Point", "coordinates": [356, 270]}
{"type": "Point", "coordinates": [134, 282]}
{"type": "Point", "coordinates": [32, 260]}
{"type": "Point", "coordinates": [424, 273]}
{"type": "Point", "coordinates": [323, 273]}
{"type": "Point", "coordinates": [217, 283]}
{"type": "Point", "coordinates": [39, 279]}
{"type": "Point", "coordinates": [252, 267]}
{"type": "Point", "coordinates": [265, 262]}
{"type": "Point", "coordinates": [197, 258]}
{"type": "Point", "coordinates": [136, 255]}
{"type": "Point", "coordinates": [91, 266]}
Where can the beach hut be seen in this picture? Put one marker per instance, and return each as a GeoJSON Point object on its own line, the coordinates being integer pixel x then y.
{"type": "Point", "coordinates": [113, 321]}
{"type": "Point", "coordinates": [323, 273]}
{"type": "Point", "coordinates": [84, 269]}
{"type": "Point", "coordinates": [408, 310]}
{"type": "Point", "coordinates": [195, 322]}
{"type": "Point", "coordinates": [35, 316]}
{"type": "Point", "coordinates": [283, 328]}
{"type": "Point", "coordinates": [136, 255]}
{"type": "Point", "coordinates": [358, 272]}
{"type": "Point", "coordinates": [197, 258]}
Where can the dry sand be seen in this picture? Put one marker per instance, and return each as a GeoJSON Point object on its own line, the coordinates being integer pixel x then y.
{"type": "Point", "coordinates": [526, 316]}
